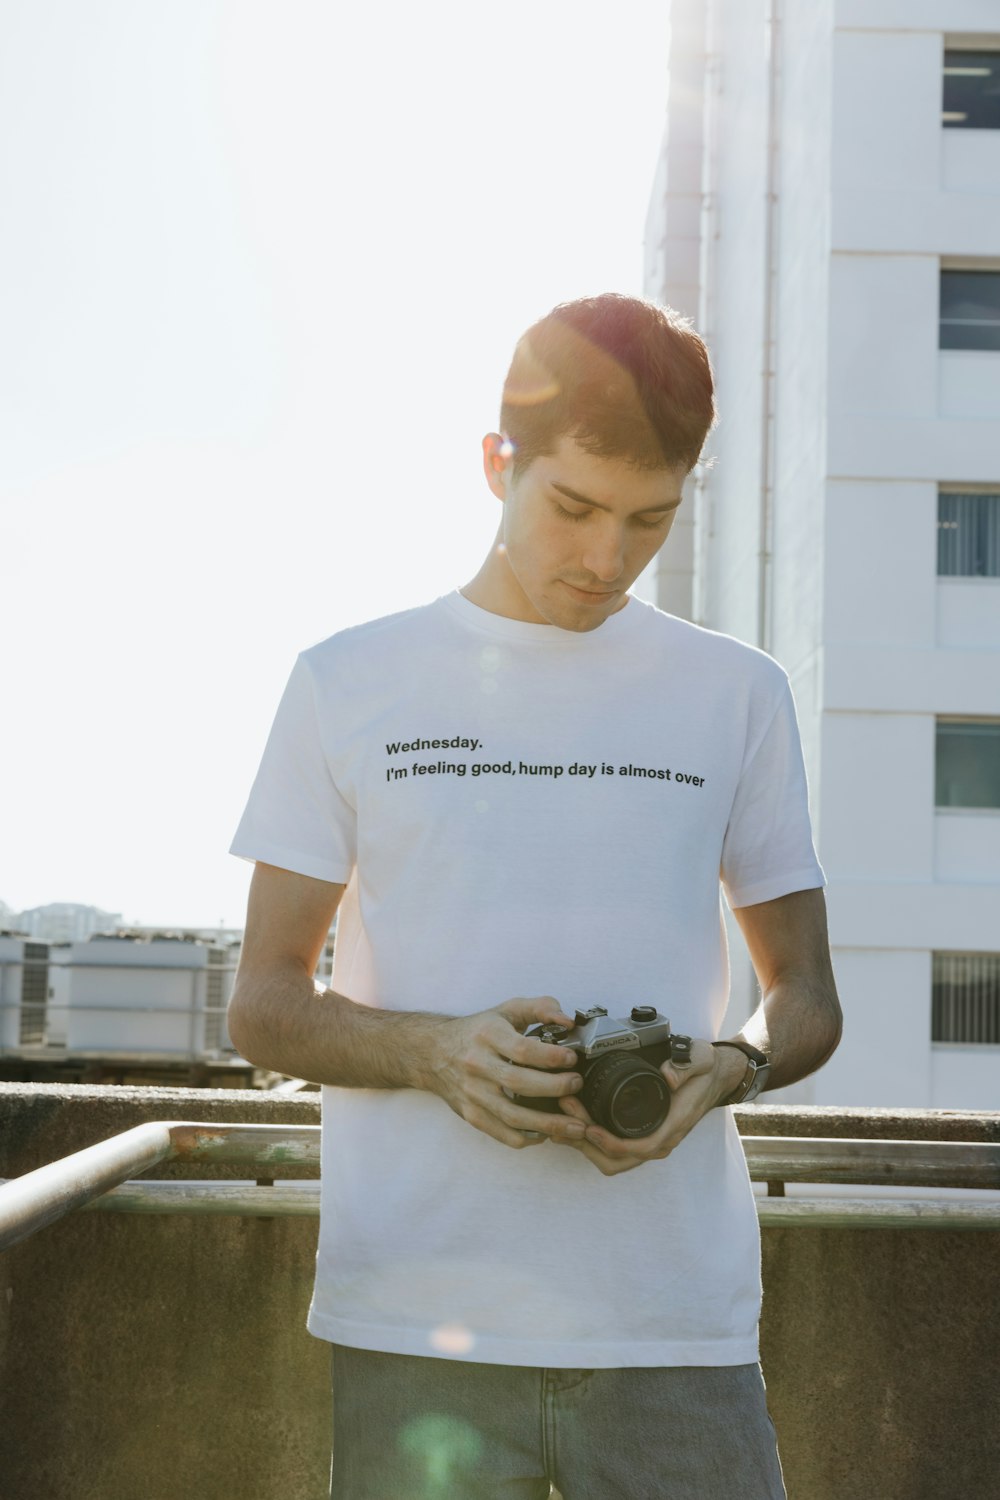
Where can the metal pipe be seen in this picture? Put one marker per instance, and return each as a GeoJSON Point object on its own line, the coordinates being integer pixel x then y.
{"type": "Point", "coordinates": [41, 1197]}
{"type": "Point", "coordinates": [302, 1200]}
{"type": "Point", "coordinates": [269, 1146]}
{"type": "Point", "coordinates": [200, 1198]}
{"type": "Point", "coordinates": [877, 1213]}
{"type": "Point", "coordinates": [964, 1164]}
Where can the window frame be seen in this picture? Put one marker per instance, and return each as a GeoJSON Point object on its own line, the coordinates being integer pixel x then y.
{"type": "Point", "coordinates": [967, 267]}
{"type": "Point", "coordinates": [970, 491]}
{"type": "Point", "coordinates": [953, 1011]}
{"type": "Point", "coordinates": [974, 809]}
{"type": "Point", "coordinates": [982, 45]}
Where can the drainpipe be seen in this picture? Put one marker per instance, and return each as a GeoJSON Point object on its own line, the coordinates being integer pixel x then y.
{"type": "Point", "coordinates": [767, 446]}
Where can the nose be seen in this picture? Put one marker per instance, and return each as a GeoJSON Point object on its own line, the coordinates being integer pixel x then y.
{"type": "Point", "coordinates": [604, 556]}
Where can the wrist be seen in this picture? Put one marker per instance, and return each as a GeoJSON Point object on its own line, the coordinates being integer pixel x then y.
{"type": "Point", "coordinates": [753, 1069]}
{"type": "Point", "coordinates": [429, 1055]}
{"type": "Point", "coordinates": [730, 1070]}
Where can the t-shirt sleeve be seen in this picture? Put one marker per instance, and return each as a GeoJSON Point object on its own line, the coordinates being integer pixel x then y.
{"type": "Point", "coordinates": [296, 817]}
{"type": "Point", "coordinates": [768, 848]}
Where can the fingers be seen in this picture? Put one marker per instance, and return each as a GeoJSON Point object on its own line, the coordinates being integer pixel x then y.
{"type": "Point", "coordinates": [532, 1053]}
{"type": "Point", "coordinates": [516, 1126]}
{"type": "Point", "coordinates": [535, 1082]}
{"type": "Point", "coordinates": [525, 1012]}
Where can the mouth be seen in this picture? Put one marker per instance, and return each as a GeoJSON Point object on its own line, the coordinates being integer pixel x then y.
{"type": "Point", "coordinates": [590, 596]}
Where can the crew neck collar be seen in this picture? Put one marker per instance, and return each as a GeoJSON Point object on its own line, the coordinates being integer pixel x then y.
{"type": "Point", "coordinates": [614, 628]}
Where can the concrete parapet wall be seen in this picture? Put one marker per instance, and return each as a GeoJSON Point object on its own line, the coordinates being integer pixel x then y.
{"type": "Point", "coordinates": [163, 1357]}
{"type": "Point", "coordinates": [879, 1346]}
{"type": "Point", "coordinates": [156, 1359]}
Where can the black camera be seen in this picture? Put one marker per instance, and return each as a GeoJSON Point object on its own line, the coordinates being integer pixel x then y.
{"type": "Point", "coordinates": [623, 1088]}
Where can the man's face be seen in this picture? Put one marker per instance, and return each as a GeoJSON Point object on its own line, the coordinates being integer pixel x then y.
{"type": "Point", "coordinates": [576, 533]}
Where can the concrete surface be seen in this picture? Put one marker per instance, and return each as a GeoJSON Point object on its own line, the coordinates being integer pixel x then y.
{"type": "Point", "coordinates": [164, 1358]}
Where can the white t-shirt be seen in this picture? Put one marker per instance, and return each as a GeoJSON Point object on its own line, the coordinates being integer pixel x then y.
{"type": "Point", "coordinates": [522, 810]}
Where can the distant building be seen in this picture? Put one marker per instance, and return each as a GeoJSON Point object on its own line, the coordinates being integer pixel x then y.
{"type": "Point", "coordinates": [159, 999]}
{"type": "Point", "coordinates": [827, 210]}
{"type": "Point", "coordinates": [65, 922]}
{"type": "Point", "coordinates": [137, 1005]}
{"type": "Point", "coordinates": [24, 984]}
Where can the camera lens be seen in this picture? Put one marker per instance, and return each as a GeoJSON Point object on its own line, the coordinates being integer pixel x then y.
{"type": "Point", "coordinates": [627, 1096]}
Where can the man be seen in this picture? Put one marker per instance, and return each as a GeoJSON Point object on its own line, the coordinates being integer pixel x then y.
{"type": "Point", "coordinates": [527, 793]}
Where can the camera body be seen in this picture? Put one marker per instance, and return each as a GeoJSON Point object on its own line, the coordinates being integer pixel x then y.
{"type": "Point", "coordinates": [623, 1089]}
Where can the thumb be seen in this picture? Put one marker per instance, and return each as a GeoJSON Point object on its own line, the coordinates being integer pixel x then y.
{"type": "Point", "coordinates": [522, 1013]}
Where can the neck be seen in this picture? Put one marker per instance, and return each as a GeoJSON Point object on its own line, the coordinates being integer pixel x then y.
{"type": "Point", "coordinates": [494, 588]}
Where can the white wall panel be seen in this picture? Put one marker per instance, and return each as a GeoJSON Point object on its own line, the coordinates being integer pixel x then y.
{"type": "Point", "coordinates": [914, 681]}
{"type": "Point", "coordinates": [877, 796]}
{"type": "Point", "coordinates": [880, 544]}
{"type": "Point", "coordinates": [884, 335]}
{"type": "Point", "coordinates": [884, 1056]}
{"type": "Point", "coordinates": [968, 614]}
{"type": "Point", "coordinates": [969, 383]}
{"type": "Point", "coordinates": [971, 158]}
{"type": "Point", "coordinates": [967, 849]}
{"type": "Point", "coordinates": [910, 447]}
{"type": "Point", "coordinates": [920, 222]}
{"type": "Point", "coordinates": [918, 15]}
{"type": "Point", "coordinates": [869, 914]}
{"type": "Point", "coordinates": [965, 1077]}
{"type": "Point", "coordinates": [886, 110]}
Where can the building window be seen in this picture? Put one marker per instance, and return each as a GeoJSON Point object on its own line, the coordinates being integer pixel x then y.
{"type": "Point", "coordinates": [970, 310]}
{"type": "Point", "coordinates": [965, 998]}
{"type": "Point", "coordinates": [971, 90]}
{"type": "Point", "coordinates": [968, 534]}
{"type": "Point", "coordinates": [967, 763]}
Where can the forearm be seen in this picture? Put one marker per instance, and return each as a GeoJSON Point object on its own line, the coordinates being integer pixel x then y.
{"type": "Point", "coordinates": [479, 1065]}
{"type": "Point", "coordinates": [798, 1024]}
{"type": "Point", "coordinates": [280, 1019]}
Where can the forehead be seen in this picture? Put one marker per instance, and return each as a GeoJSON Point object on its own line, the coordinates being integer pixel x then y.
{"type": "Point", "coordinates": [613, 483]}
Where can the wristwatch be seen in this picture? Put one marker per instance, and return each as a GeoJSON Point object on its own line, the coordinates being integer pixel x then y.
{"type": "Point", "coordinates": [756, 1076]}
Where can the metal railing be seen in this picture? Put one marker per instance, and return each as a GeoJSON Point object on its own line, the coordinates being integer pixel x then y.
{"type": "Point", "coordinates": [98, 1178]}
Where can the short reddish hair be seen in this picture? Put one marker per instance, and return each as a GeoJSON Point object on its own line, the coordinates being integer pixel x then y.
{"type": "Point", "coordinates": [625, 378]}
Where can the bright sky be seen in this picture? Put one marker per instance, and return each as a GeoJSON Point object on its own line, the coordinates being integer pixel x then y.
{"type": "Point", "coordinates": [262, 269]}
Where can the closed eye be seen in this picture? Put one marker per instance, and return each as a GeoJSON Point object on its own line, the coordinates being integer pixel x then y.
{"type": "Point", "coordinates": [571, 515]}
{"type": "Point", "coordinates": [581, 515]}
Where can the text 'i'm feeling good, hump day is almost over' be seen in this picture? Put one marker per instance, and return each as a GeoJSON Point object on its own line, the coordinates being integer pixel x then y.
{"type": "Point", "coordinates": [406, 768]}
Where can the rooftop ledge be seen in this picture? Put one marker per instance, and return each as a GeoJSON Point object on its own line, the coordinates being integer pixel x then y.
{"type": "Point", "coordinates": [160, 1349]}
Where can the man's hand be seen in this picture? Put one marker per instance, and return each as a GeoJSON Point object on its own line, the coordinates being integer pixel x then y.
{"type": "Point", "coordinates": [481, 1059]}
{"type": "Point", "coordinates": [714, 1073]}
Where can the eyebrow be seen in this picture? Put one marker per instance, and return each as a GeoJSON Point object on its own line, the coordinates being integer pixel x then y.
{"type": "Point", "coordinates": [647, 510]}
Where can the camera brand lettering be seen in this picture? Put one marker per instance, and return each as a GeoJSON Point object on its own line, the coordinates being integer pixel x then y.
{"type": "Point", "coordinates": [622, 1042]}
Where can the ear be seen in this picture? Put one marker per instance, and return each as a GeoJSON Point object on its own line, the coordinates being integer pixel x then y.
{"type": "Point", "coordinates": [497, 459]}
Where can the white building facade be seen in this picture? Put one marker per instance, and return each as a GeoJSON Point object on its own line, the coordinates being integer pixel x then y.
{"type": "Point", "coordinates": [827, 211]}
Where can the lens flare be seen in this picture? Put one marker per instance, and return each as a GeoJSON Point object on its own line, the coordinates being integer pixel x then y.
{"type": "Point", "coordinates": [444, 1451]}
{"type": "Point", "coordinates": [452, 1339]}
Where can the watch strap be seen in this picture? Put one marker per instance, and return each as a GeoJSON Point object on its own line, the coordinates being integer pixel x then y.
{"type": "Point", "coordinates": [753, 1081]}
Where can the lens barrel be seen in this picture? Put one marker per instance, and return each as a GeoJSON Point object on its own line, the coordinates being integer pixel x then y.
{"type": "Point", "coordinates": [625, 1095]}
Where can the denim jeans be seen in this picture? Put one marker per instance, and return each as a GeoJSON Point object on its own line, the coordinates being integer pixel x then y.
{"type": "Point", "coordinates": [410, 1428]}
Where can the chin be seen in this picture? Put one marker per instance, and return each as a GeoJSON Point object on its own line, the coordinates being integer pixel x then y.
{"type": "Point", "coordinates": [579, 618]}
{"type": "Point", "coordinates": [590, 621]}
